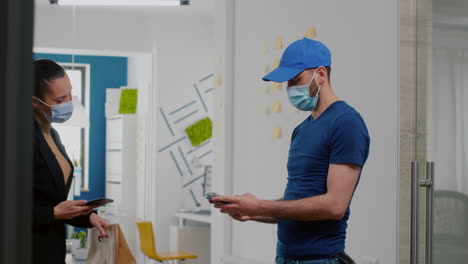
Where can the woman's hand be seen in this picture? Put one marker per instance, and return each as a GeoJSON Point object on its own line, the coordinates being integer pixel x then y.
{"type": "Point", "coordinates": [71, 209]}
{"type": "Point", "coordinates": [99, 223]}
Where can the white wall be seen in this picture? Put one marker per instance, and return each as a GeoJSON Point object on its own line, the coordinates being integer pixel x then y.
{"type": "Point", "coordinates": [363, 38]}
{"type": "Point", "coordinates": [184, 56]}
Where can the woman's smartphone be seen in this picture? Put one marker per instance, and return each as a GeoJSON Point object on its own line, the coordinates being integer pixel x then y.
{"type": "Point", "coordinates": [99, 202]}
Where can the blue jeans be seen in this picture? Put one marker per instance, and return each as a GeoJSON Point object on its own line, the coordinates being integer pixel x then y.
{"type": "Point", "coordinates": [280, 260]}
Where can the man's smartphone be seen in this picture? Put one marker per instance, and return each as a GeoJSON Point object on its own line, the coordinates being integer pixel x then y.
{"type": "Point", "coordinates": [99, 202]}
{"type": "Point", "coordinates": [211, 195]}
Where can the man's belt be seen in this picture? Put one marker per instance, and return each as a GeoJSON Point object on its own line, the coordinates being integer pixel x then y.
{"type": "Point", "coordinates": [343, 258]}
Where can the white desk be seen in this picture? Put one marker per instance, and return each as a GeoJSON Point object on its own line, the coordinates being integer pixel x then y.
{"type": "Point", "coordinates": [192, 237]}
{"type": "Point", "coordinates": [70, 260]}
{"type": "Point", "coordinates": [193, 216]}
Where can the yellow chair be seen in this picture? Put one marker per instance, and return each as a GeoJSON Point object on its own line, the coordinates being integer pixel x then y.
{"type": "Point", "coordinates": [148, 247]}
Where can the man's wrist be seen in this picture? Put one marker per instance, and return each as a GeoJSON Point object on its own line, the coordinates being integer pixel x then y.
{"type": "Point", "coordinates": [265, 208]}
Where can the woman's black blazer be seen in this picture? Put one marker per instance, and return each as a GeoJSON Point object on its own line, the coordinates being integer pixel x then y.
{"type": "Point", "coordinates": [49, 189]}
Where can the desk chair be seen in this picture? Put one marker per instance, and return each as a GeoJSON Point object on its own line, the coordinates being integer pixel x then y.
{"type": "Point", "coordinates": [147, 246]}
{"type": "Point", "coordinates": [450, 227]}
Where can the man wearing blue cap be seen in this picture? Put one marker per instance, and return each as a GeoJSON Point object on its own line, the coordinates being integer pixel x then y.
{"type": "Point", "coordinates": [327, 153]}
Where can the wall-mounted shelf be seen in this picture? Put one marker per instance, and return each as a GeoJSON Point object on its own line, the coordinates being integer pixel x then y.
{"type": "Point", "coordinates": [121, 171]}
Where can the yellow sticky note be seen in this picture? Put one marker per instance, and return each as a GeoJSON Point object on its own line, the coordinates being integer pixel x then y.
{"type": "Point", "coordinates": [279, 43]}
{"type": "Point", "coordinates": [277, 63]}
{"type": "Point", "coordinates": [128, 101]}
{"type": "Point", "coordinates": [276, 108]}
{"type": "Point", "coordinates": [311, 33]}
{"type": "Point", "coordinates": [277, 86]}
{"type": "Point", "coordinates": [266, 69]}
{"type": "Point", "coordinates": [277, 133]}
{"type": "Point", "coordinates": [200, 131]}
{"type": "Point", "coordinates": [218, 80]}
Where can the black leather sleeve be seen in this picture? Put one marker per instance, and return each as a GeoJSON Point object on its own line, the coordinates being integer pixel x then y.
{"type": "Point", "coordinates": [80, 221]}
{"type": "Point", "coordinates": [43, 217]}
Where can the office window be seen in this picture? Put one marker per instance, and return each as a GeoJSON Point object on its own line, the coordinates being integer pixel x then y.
{"type": "Point", "coordinates": [73, 134]}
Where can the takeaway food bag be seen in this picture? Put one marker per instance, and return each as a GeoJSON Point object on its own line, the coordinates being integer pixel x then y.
{"type": "Point", "coordinates": [112, 250]}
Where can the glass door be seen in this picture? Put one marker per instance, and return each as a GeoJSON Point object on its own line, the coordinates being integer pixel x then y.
{"type": "Point", "coordinates": [440, 169]}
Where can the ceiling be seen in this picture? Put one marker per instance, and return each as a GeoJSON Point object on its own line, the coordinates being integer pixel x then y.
{"type": "Point", "coordinates": [196, 8]}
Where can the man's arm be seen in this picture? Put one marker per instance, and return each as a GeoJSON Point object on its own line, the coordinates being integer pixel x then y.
{"type": "Point", "coordinates": [341, 182]}
{"type": "Point", "coordinates": [260, 219]}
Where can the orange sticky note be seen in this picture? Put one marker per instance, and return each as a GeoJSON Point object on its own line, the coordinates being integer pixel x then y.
{"type": "Point", "coordinates": [277, 86]}
{"type": "Point", "coordinates": [279, 43]}
{"type": "Point", "coordinates": [311, 33]}
{"type": "Point", "coordinates": [276, 108]}
{"type": "Point", "coordinates": [218, 80]}
{"type": "Point", "coordinates": [277, 134]}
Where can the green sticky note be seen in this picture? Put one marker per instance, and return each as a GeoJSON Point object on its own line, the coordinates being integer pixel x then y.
{"type": "Point", "coordinates": [128, 101]}
{"type": "Point", "coordinates": [200, 131]}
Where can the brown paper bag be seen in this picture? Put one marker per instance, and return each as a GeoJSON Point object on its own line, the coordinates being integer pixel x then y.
{"type": "Point", "coordinates": [112, 250]}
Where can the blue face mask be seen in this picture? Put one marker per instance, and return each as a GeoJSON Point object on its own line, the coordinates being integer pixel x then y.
{"type": "Point", "coordinates": [299, 96]}
{"type": "Point", "coordinates": [59, 112]}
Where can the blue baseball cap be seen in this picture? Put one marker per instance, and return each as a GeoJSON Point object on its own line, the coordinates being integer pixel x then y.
{"type": "Point", "coordinates": [300, 55]}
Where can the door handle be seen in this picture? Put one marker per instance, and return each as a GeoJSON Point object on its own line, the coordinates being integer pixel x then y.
{"type": "Point", "coordinates": [428, 183]}
{"type": "Point", "coordinates": [414, 212]}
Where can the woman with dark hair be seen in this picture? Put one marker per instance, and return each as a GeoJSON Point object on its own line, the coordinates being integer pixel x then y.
{"type": "Point", "coordinates": [53, 169]}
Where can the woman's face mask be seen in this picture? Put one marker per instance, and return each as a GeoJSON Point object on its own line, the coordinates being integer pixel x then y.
{"type": "Point", "coordinates": [59, 113]}
{"type": "Point", "coordinates": [299, 96]}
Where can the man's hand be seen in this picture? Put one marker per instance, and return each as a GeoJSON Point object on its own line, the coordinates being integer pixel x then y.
{"type": "Point", "coordinates": [241, 206]}
{"type": "Point", "coordinates": [72, 209]}
{"type": "Point", "coordinates": [99, 223]}
{"type": "Point", "coordinates": [241, 218]}
{"type": "Point", "coordinates": [261, 219]}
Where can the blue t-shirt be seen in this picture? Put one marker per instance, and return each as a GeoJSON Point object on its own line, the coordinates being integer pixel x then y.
{"type": "Point", "coordinates": [338, 135]}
